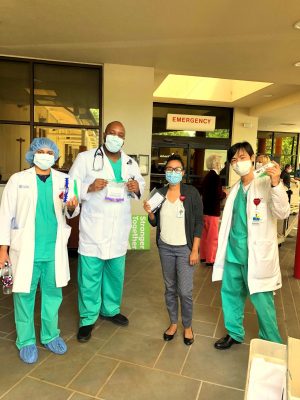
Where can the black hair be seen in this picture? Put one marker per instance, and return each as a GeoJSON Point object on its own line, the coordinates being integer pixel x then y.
{"type": "Point", "coordinates": [239, 146]}
{"type": "Point", "coordinates": [287, 166]}
{"type": "Point", "coordinates": [175, 157]}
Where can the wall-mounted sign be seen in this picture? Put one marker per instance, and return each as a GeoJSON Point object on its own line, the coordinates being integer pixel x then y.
{"type": "Point", "coordinates": [183, 122]}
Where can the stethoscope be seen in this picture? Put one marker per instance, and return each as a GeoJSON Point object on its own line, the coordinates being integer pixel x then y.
{"type": "Point", "coordinates": [99, 152]}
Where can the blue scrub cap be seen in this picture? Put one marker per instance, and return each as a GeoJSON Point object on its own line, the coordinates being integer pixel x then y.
{"type": "Point", "coordinates": [41, 143]}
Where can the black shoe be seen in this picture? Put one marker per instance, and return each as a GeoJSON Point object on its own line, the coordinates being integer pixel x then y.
{"type": "Point", "coordinates": [188, 341]}
{"type": "Point", "coordinates": [117, 319]}
{"type": "Point", "coordinates": [84, 333]}
{"type": "Point", "coordinates": [209, 264]}
{"type": "Point", "coordinates": [168, 337]}
{"type": "Point", "coordinates": [202, 260]}
{"type": "Point", "coordinates": [225, 343]}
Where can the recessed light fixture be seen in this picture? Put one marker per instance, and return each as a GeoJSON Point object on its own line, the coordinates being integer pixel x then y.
{"type": "Point", "coordinates": [297, 64]}
{"type": "Point", "coordinates": [267, 95]}
{"type": "Point", "coordinates": [297, 25]}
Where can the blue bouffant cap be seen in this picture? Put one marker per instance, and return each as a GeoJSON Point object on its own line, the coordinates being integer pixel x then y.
{"type": "Point", "coordinates": [41, 143]}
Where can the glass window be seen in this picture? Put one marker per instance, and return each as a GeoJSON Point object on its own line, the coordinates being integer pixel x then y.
{"type": "Point", "coordinates": [15, 141]}
{"type": "Point", "coordinates": [70, 142]}
{"type": "Point", "coordinates": [66, 95]}
{"type": "Point", "coordinates": [14, 91]}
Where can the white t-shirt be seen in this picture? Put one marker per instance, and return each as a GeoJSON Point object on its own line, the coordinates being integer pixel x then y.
{"type": "Point", "coordinates": [172, 223]}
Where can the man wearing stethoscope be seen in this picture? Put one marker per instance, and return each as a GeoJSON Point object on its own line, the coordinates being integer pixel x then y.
{"type": "Point", "coordinates": [110, 179]}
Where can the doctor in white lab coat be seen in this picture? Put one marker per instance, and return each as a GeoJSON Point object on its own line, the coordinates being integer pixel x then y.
{"type": "Point", "coordinates": [33, 238]}
{"type": "Point", "coordinates": [247, 259]}
{"type": "Point", "coordinates": [109, 180]}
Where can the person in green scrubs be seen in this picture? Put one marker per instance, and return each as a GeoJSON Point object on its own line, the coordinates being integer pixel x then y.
{"type": "Point", "coordinates": [235, 287]}
{"type": "Point", "coordinates": [42, 155]}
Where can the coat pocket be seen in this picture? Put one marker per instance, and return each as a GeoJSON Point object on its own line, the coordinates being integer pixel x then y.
{"type": "Point", "coordinates": [266, 256]}
{"type": "Point", "coordinates": [16, 236]}
{"type": "Point", "coordinates": [66, 232]}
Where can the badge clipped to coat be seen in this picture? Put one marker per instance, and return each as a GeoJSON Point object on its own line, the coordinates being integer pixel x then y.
{"type": "Point", "coordinates": [257, 215]}
{"type": "Point", "coordinates": [115, 191]}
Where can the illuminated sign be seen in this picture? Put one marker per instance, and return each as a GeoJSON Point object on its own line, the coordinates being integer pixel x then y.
{"type": "Point", "coordinates": [183, 122]}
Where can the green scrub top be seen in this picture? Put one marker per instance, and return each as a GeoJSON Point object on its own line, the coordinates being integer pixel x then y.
{"type": "Point", "coordinates": [117, 167]}
{"type": "Point", "coordinates": [45, 222]}
{"type": "Point", "coordinates": [237, 247]}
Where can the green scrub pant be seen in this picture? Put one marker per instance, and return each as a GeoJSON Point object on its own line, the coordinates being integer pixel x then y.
{"type": "Point", "coordinates": [100, 287]}
{"type": "Point", "coordinates": [234, 293]}
{"type": "Point", "coordinates": [51, 298]}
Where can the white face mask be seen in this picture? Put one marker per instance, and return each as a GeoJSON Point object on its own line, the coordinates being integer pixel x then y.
{"type": "Point", "coordinates": [258, 165]}
{"type": "Point", "coordinates": [43, 161]}
{"type": "Point", "coordinates": [242, 168]}
{"type": "Point", "coordinates": [113, 143]}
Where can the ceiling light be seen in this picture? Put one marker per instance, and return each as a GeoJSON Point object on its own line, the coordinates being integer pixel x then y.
{"type": "Point", "coordinates": [297, 25]}
{"type": "Point", "coordinates": [297, 64]}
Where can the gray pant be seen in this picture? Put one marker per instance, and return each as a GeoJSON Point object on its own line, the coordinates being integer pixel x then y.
{"type": "Point", "coordinates": [178, 278]}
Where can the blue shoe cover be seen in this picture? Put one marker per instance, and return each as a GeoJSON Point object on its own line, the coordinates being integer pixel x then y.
{"type": "Point", "coordinates": [29, 354]}
{"type": "Point", "coordinates": [57, 346]}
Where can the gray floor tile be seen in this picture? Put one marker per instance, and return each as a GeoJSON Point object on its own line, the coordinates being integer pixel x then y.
{"type": "Point", "coordinates": [7, 323]}
{"type": "Point", "coordinates": [133, 347]}
{"type": "Point", "coordinates": [36, 390]}
{"type": "Point", "coordinates": [12, 368]}
{"type": "Point", "coordinates": [173, 355]}
{"type": "Point", "coordinates": [61, 369]}
{"type": "Point", "coordinates": [205, 313]}
{"type": "Point", "coordinates": [153, 324]}
{"type": "Point", "coordinates": [94, 375]}
{"type": "Point", "coordinates": [204, 328]}
{"type": "Point", "coordinates": [222, 367]}
{"type": "Point", "coordinates": [214, 392]}
{"type": "Point", "coordinates": [131, 382]}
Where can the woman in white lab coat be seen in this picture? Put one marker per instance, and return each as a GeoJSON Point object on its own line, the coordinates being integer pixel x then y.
{"type": "Point", "coordinates": [33, 238]}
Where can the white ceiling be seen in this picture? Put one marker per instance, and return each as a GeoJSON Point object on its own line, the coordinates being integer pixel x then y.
{"type": "Point", "coordinates": [229, 39]}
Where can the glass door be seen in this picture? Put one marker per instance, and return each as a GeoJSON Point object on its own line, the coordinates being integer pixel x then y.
{"type": "Point", "coordinates": [160, 153]}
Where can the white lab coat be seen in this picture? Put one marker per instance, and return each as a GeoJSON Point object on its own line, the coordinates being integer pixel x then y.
{"type": "Point", "coordinates": [104, 225]}
{"type": "Point", "coordinates": [263, 260]}
{"type": "Point", "coordinates": [17, 221]}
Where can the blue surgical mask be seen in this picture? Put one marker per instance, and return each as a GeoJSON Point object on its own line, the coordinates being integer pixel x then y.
{"type": "Point", "coordinates": [113, 143]}
{"type": "Point", "coordinates": [43, 161]}
{"type": "Point", "coordinates": [173, 177]}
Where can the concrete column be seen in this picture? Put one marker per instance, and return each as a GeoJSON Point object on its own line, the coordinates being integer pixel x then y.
{"type": "Point", "coordinates": [244, 128]}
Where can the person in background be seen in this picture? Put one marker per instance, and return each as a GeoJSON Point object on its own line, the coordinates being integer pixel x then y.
{"type": "Point", "coordinates": [287, 179]}
{"type": "Point", "coordinates": [33, 238]}
{"type": "Point", "coordinates": [212, 195]}
{"type": "Point", "coordinates": [247, 258]}
{"type": "Point", "coordinates": [110, 180]}
{"type": "Point", "coordinates": [261, 159]}
{"type": "Point", "coordinates": [178, 230]}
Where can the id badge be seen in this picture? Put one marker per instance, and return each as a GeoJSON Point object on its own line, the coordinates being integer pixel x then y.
{"type": "Point", "coordinates": [180, 211]}
{"type": "Point", "coordinates": [256, 217]}
{"type": "Point", "coordinates": [115, 192]}
{"type": "Point", "coordinates": [258, 211]}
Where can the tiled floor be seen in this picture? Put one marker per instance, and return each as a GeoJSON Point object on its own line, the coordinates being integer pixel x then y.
{"type": "Point", "coordinates": [134, 363]}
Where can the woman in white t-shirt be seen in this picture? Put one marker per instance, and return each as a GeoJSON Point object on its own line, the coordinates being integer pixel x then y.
{"type": "Point", "coordinates": [179, 223]}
